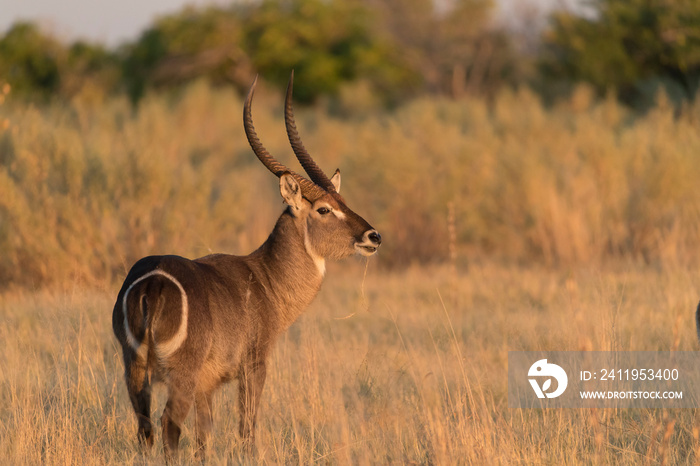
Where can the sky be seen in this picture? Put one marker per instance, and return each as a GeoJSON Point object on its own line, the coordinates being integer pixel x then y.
{"type": "Point", "coordinates": [112, 22]}
{"type": "Point", "coordinates": [109, 22]}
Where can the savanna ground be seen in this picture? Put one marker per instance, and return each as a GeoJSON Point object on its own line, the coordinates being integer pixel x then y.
{"type": "Point", "coordinates": [388, 368]}
{"type": "Point", "coordinates": [566, 228]}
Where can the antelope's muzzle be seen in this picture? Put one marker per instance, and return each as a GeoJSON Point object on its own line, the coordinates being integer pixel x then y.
{"type": "Point", "coordinates": [371, 241]}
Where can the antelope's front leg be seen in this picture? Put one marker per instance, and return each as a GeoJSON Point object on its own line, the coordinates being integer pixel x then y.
{"type": "Point", "coordinates": [251, 382]}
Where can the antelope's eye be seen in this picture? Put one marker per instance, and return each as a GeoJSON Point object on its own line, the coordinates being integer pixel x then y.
{"type": "Point", "coordinates": [323, 210]}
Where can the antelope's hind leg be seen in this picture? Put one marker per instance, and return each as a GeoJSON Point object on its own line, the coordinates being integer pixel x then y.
{"type": "Point", "coordinates": [203, 421]}
{"type": "Point", "coordinates": [180, 400]}
{"type": "Point", "coordinates": [139, 386]}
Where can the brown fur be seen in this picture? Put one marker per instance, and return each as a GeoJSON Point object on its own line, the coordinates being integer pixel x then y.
{"type": "Point", "coordinates": [236, 306]}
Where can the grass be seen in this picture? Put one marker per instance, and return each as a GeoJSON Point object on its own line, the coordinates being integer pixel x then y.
{"type": "Point", "coordinates": [582, 183]}
{"type": "Point", "coordinates": [404, 367]}
{"type": "Point", "coordinates": [567, 228]}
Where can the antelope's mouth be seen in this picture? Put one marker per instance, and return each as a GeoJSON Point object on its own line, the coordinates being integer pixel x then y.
{"type": "Point", "coordinates": [366, 249]}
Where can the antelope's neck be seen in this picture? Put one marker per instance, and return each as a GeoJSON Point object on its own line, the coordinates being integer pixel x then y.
{"type": "Point", "coordinates": [294, 272]}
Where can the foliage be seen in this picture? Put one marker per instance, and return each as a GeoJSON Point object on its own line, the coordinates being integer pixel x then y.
{"type": "Point", "coordinates": [191, 44]}
{"type": "Point", "coordinates": [364, 53]}
{"type": "Point", "coordinates": [328, 42]}
{"type": "Point", "coordinates": [391, 49]}
{"type": "Point", "coordinates": [88, 188]}
{"type": "Point", "coordinates": [454, 48]}
{"type": "Point", "coordinates": [30, 61]}
{"type": "Point", "coordinates": [38, 67]}
{"type": "Point", "coordinates": [629, 46]}
{"type": "Point", "coordinates": [90, 67]}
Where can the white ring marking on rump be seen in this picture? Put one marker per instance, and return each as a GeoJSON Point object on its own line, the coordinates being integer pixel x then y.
{"type": "Point", "coordinates": [167, 348]}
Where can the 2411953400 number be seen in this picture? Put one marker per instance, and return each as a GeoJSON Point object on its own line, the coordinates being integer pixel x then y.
{"type": "Point", "coordinates": [639, 374]}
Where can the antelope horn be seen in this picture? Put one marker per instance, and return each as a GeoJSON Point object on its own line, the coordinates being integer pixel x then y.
{"type": "Point", "coordinates": [310, 190]}
{"type": "Point", "coordinates": [313, 170]}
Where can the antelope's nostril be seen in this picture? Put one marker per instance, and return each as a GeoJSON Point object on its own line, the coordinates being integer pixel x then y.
{"type": "Point", "coordinates": [375, 237]}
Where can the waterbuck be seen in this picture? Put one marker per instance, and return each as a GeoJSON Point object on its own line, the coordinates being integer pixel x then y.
{"type": "Point", "coordinates": [196, 324]}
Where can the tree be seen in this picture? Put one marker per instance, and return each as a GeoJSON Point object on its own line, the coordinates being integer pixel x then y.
{"type": "Point", "coordinates": [191, 44]}
{"type": "Point", "coordinates": [89, 63]}
{"type": "Point", "coordinates": [628, 46]}
{"type": "Point", "coordinates": [30, 61]}
{"type": "Point", "coordinates": [329, 42]}
{"type": "Point", "coordinates": [453, 45]}
{"type": "Point", "coordinates": [38, 66]}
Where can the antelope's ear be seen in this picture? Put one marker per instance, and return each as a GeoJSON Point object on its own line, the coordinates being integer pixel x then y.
{"type": "Point", "coordinates": [335, 179]}
{"type": "Point", "coordinates": [291, 191]}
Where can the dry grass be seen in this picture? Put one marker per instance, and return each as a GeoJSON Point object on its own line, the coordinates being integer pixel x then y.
{"type": "Point", "coordinates": [404, 367]}
{"type": "Point", "coordinates": [399, 368]}
{"type": "Point", "coordinates": [582, 183]}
